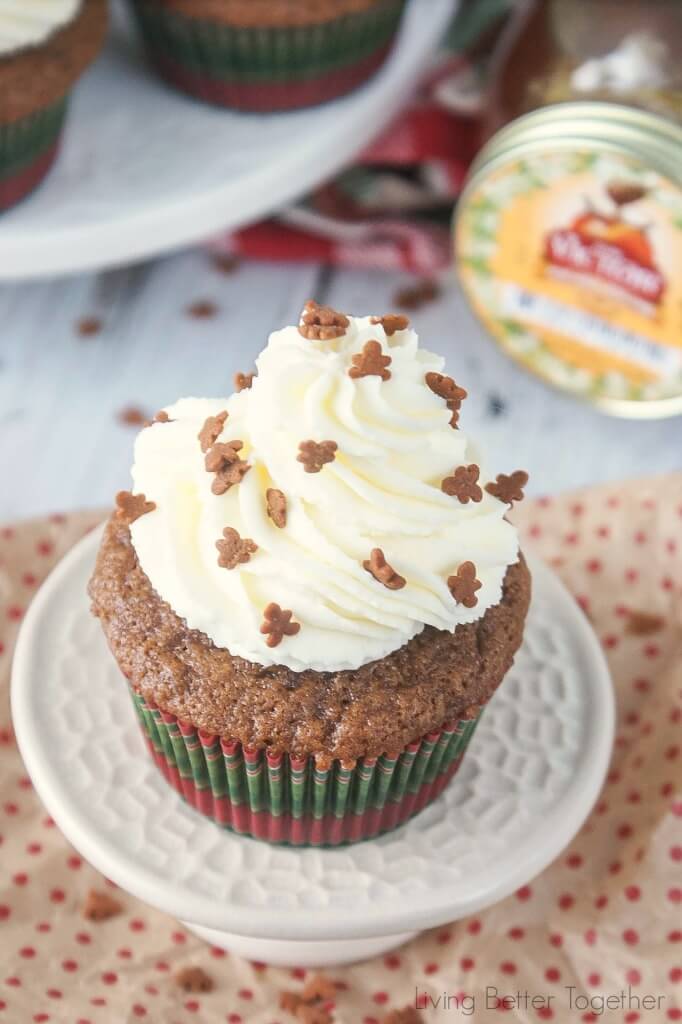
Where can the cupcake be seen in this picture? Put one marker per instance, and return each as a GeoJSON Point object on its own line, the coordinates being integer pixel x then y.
{"type": "Point", "coordinates": [44, 48]}
{"type": "Point", "coordinates": [266, 55]}
{"type": "Point", "coordinates": [313, 589]}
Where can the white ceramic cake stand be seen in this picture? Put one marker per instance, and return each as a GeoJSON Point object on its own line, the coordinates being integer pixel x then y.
{"type": "Point", "coordinates": [530, 777]}
{"type": "Point", "coordinates": [144, 169]}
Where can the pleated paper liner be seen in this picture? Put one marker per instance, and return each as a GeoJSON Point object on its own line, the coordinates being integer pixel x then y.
{"type": "Point", "coordinates": [283, 799]}
{"type": "Point", "coordinates": [28, 148]}
{"type": "Point", "coordinates": [267, 69]}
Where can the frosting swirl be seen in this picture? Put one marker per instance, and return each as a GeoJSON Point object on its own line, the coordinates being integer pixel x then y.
{"type": "Point", "coordinates": [30, 22]}
{"type": "Point", "coordinates": [377, 486]}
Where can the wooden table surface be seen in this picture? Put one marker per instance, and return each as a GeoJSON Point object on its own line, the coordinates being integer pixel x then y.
{"type": "Point", "coordinates": [65, 395]}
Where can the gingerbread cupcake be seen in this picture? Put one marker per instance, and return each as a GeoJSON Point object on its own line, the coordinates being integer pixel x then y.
{"type": "Point", "coordinates": [313, 589]}
{"type": "Point", "coordinates": [266, 55]}
{"type": "Point", "coordinates": [44, 48]}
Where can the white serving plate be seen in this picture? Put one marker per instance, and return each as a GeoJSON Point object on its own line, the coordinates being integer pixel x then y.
{"type": "Point", "coordinates": [144, 169]}
{"type": "Point", "coordinates": [528, 781]}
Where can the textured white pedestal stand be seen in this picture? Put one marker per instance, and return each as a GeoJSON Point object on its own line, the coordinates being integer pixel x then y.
{"type": "Point", "coordinates": [529, 779]}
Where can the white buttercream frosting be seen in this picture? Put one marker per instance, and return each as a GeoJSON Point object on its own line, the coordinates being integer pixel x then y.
{"type": "Point", "coordinates": [382, 490]}
{"type": "Point", "coordinates": [30, 22]}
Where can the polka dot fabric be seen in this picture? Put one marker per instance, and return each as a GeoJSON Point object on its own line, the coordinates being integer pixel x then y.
{"type": "Point", "coordinates": [604, 919]}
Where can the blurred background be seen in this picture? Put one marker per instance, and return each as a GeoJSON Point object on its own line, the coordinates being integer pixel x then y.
{"type": "Point", "coordinates": [86, 357]}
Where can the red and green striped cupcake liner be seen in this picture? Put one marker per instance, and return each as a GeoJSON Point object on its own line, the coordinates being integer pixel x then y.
{"type": "Point", "coordinates": [282, 799]}
{"type": "Point", "coordinates": [28, 148]}
{"type": "Point", "coordinates": [267, 69]}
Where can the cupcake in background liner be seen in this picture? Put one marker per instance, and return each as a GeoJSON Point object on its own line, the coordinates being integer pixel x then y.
{"type": "Point", "coordinates": [313, 589]}
{"type": "Point", "coordinates": [267, 55]}
{"type": "Point", "coordinates": [44, 48]}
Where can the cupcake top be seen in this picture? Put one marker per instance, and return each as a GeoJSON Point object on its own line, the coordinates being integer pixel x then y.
{"type": "Point", "coordinates": [326, 513]}
{"type": "Point", "coordinates": [25, 23]}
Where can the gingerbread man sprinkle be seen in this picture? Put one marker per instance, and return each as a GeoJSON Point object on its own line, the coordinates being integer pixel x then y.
{"type": "Point", "coordinates": [445, 387]}
{"type": "Point", "coordinates": [242, 381]}
{"type": "Point", "coordinates": [211, 430]}
{"type": "Point", "coordinates": [160, 417]}
{"type": "Point", "coordinates": [392, 323]}
{"type": "Point", "coordinates": [131, 506]}
{"type": "Point", "coordinates": [194, 979]}
{"type": "Point", "coordinates": [463, 585]}
{"type": "Point", "coordinates": [234, 550]}
{"type": "Point", "coordinates": [276, 504]}
{"type": "Point", "coordinates": [322, 323]}
{"type": "Point", "coordinates": [100, 906]}
{"type": "Point", "coordinates": [315, 454]}
{"type": "Point", "coordinates": [508, 488]}
{"type": "Point", "coordinates": [223, 460]}
{"type": "Point", "coordinates": [371, 362]}
{"type": "Point", "coordinates": [382, 571]}
{"type": "Point", "coordinates": [277, 623]}
{"type": "Point", "coordinates": [463, 484]}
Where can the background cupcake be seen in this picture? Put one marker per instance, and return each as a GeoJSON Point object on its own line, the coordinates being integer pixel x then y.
{"type": "Point", "coordinates": [314, 591]}
{"type": "Point", "coordinates": [44, 48]}
{"type": "Point", "coordinates": [266, 55]}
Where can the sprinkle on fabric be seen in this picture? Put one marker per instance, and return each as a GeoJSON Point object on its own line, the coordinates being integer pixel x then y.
{"type": "Point", "coordinates": [131, 506]}
{"type": "Point", "coordinates": [418, 295]}
{"type": "Point", "coordinates": [234, 550]}
{"type": "Point", "coordinates": [322, 323]}
{"type": "Point", "coordinates": [382, 571]}
{"type": "Point", "coordinates": [211, 430]}
{"type": "Point", "coordinates": [242, 381]}
{"type": "Point", "coordinates": [194, 979]}
{"type": "Point", "coordinates": [100, 906]}
{"type": "Point", "coordinates": [315, 454]}
{"type": "Point", "coordinates": [463, 585]}
{"type": "Point", "coordinates": [392, 323]}
{"type": "Point", "coordinates": [508, 488]}
{"type": "Point", "coordinates": [463, 484]}
{"type": "Point", "coordinates": [223, 460]}
{"type": "Point", "coordinates": [277, 623]}
{"type": "Point", "coordinates": [311, 1006]}
{"type": "Point", "coordinates": [276, 504]}
{"type": "Point", "coordinates": [371, 362]}
{"type": "Point", "coordinates": [643, 623]}
{"type": "Point", "coordinates": [408, 1015]}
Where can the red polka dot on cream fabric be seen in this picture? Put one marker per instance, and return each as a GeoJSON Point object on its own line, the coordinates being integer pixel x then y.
{"type": "Point", "coordinates": [604, 916]}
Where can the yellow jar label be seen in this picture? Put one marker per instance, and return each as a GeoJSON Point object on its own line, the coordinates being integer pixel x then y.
{"type": "Point", "coordinates": [573, 261]}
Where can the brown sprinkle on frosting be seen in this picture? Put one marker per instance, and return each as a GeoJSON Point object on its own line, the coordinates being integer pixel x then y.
{"type": "Point", "coordinates": [223, 460]}
{"type": "Point", "coordinates": [371, 362]}
{"type": "Point", "coordinates": [242, 381]}
{"type": "Point", "coordinates": [160, 417]}
{"type": "Point", "coordinates": [131, 506]}
{"type": "Point", "coordinates": [234, 550]}
{"type": "Point", "coordinates": [392, 323]}
{"type": "Point", "coordinates": [445, 387]}
{"type": "Point", "coordinates": [211, 430]}
{"type": "Point", "coordinates": [463, 484]}
{"type": "Point", "coordinates": [194, 979]}
{"type": "Point", "coordinates": [322, 323]}
{"type": "Point", "coordinates": [463, 585]}
{"type": "Point", "coordinates": [276, 504]}
{"type": "Point", "coordinates": [382, 571]}
{"type": "Point", "coordinates": [315, 454]}
{"type": "Point", "coordinates": [100, 906]}
{"type": "Point", "coordinates": [508, 488]}
{"type": "Point", "coordinates": [277, 623]}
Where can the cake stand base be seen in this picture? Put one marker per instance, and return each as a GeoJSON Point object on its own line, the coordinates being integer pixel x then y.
{"type": "Point", "coordinates": [287, 953]}
{"type": "Point", "coordinates": [529, 778]}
